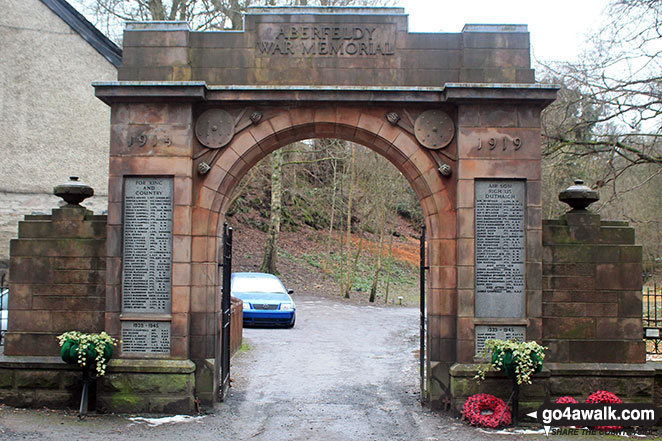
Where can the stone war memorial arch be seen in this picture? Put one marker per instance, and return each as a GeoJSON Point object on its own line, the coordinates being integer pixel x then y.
{"type": "Point", "coordinates": [458, 114]}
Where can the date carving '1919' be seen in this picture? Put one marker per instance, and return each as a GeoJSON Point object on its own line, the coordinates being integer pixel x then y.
{"type": "Point", "coordinates": [504, 143]}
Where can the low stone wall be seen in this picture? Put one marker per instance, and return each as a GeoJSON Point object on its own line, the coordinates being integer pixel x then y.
{"type": "Point", "coordinates": [151, 386]}
{"type": "Point", "coordinates": [236, 325]}
{"type": "Point", "coordinates": [633, 383]}
{"type": "Point", "coordinates": [657, 365]}
{"type": "Point", "coordinates": [129, 386]}
{"type": "Point", "coordinates": [39, 382]}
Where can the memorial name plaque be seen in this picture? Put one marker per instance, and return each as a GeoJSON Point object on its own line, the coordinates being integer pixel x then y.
{"type": "Point", "coordinates": [325, 40]}
{"type": "Point", "coordinates": [147, 255]}
{"type": "Point", "coordinates": [500, 251]}
{"type": "Point", "coordinates": [491, 332]}
{"type": "Point", "coordinates": [142, 337]}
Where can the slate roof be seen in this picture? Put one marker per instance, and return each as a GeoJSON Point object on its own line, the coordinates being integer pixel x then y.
{"type": "Point", "coordinates": [87, 30]}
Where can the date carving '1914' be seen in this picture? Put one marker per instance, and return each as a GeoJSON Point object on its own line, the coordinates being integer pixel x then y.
{"type": "Point", "coordinates": [503, 142]}
{"type": "Point", "coordinates": [152, 140]}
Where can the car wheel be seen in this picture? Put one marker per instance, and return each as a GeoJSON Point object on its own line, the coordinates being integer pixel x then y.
{"type": "Point", "coordinates": [294, 319]}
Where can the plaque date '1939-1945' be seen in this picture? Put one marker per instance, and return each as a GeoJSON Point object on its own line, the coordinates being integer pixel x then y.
{"type": "Point", "coordinates": [325, 40]}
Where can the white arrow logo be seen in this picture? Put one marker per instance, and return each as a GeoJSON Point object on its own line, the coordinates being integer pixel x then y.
{"type": "Point", "coordinates": [534, 415]}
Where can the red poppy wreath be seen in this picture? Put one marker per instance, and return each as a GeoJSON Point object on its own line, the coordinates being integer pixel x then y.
{"type": "Point", "coordinates": [603, 396]}
{"type": "Point", "coordinates": [486, 410]}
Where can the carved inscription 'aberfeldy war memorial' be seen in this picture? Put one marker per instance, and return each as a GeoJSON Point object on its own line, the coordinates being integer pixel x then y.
{"type": "Point", "coordinates": [500, 249]}
{"type": "Point", "coordinates": [307, 39]}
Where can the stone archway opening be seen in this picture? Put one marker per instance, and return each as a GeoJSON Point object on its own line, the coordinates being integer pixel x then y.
{"type": "Point", "coordinates": [369, 127]}
{"type": "Point", "coordinates": [331, 332]}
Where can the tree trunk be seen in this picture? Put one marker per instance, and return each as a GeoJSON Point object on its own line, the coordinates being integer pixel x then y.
{"type": "Point", "coordinates": [355, 264]}
{"type": "Point", "coordinates": [236, 16]}
{"type": "Point", "coordinates": [378, 269]}
{"type": "Point", "coordinates": [156, 9]}
{"type": "Point", "coordinates": [325, 266]}
{"type": "Point", "coordinates": [388, 266]}
{"type": "Point", "coordinates": [271, 247]}
{"type": "Point", "coordinates": [350, 195]}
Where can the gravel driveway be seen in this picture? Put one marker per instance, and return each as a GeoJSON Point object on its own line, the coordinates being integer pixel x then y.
{"type": "Point", "coordinates": [345, 372]}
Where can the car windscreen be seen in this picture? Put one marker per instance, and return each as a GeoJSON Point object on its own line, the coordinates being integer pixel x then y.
{"type": "Point", "coordinates": [257, 285]}
{"type": "Point", "coordinates": [274, 297]}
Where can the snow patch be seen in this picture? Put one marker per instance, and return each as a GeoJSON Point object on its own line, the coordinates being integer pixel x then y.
{"type": "Point", "coordinates": [153, 422]}
{"type": "Point", "coordinates": [515, 432]}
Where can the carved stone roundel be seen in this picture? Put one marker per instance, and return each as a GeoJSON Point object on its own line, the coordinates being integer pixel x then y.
{"type": "Point", "coordinates": [214, 128]}
{"type": "Point", "coordinates": [434, 129]}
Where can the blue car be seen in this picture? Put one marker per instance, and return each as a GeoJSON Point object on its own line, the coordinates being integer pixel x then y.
{"type": "Point", "coordinates": [266, 301]}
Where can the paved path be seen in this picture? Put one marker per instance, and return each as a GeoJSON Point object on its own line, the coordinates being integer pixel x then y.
{"type": "Point", "coordinates": [344, 372]}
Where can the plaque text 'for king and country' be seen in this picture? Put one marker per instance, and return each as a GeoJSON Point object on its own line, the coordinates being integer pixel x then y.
{"type": "Point", "coordinates": [147, 255]}
{"type": "Point", "coordinates": [143, 337]}
{"type": "Point", "coordinates": [500, 252]}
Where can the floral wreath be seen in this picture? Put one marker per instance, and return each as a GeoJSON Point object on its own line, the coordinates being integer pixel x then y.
{"type": "Point", "coordinates": [87, 349]}
{"type": "Point", "coordinates": [477, 404]}
{"type": "Point", "coordinates": [567, 400]}
{"type": "Point", "coordinates": [518, 360]}
{"type": "Point", "coordinates": [603, 396]}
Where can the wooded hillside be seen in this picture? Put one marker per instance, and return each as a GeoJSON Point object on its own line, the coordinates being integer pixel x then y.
{"type": "Point", "coordinates": [349, 222]}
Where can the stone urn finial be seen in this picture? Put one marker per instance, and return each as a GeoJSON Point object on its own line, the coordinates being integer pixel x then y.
{"type": "Point", "coordinates": [73, 192]}
{"type": "Point", "coordinates": [579, 196]}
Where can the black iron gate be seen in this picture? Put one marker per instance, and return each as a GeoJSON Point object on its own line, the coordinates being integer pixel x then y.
{"type": "Point", "coordinates": [225, 313]}
{"type": "Point", "coordinates": [4, 305]}
{"type": "Point", "coordinates": [422, 364]}
{"type": "Point", "coordinates": [652, 319]}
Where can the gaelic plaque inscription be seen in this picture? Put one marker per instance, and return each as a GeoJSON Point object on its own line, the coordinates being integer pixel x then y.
{"type": "Point", "coordinates": [147, 256]}
{"type": "Point", "coordinates": [142, 337]}
{"type": "Point", "coordinates": [484, 333]}
{"type": "Point", "coordinates": [500, 249]}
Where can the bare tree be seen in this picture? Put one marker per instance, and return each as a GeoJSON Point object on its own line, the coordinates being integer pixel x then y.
{"type": "Point", "coordinates": [110, 15]}
{"type": "Point", "coordinates": [606, 125]}
{"type": "Point", "coordinates": [269, 261]}
{"type": "Point", "coordinates": [619, 82]}
{"type": "Point", "coordinates": [346, 287]}
{"type": "Point", "coordinates": [271, 247]}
